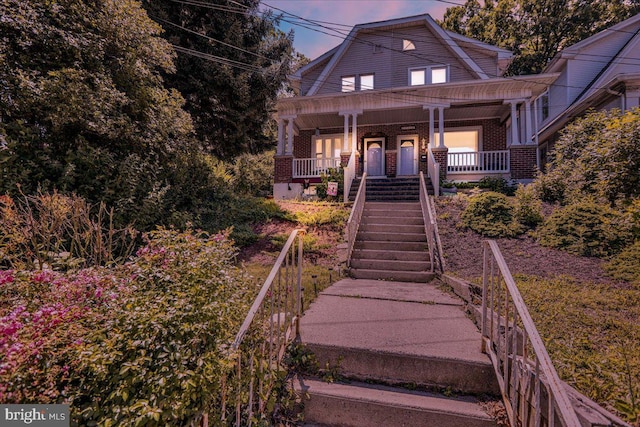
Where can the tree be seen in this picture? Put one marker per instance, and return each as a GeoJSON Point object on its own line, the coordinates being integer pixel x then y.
{"type": "Point", "coordinates": [232, 63]}
{"type": "Point", "coordinates": [82, 101]}
{"type": "Point", "coordinates": [535, 30]}
{"type": "Point", "coordinates": [597, 156]}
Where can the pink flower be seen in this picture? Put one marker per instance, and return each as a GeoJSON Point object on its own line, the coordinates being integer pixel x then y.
{"type": "Point", "coordinates": [44, 276]}
{"type": "Point", "coordinates": [6, 276]}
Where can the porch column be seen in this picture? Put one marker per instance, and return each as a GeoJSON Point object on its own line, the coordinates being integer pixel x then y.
{"type": "Point", "coordinates": [515, 139]}
{"type": "Point", "coordinates": [354, 131]}
{"type": "Point", "coordinates": [441, 126]}
{"type": "Point", "coordinates": [431, 126]}
{"type": "Point", "coordinates": [527, 122]}
{"type": "Point", "coordinates": [280, 150]}
{"type": "Point", "coordinates": [345, 140]}
{"type": "Point", "coordinates": [290, 136]}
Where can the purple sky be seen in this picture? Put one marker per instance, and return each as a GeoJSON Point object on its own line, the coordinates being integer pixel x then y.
{"type": "Point", "coordinates": [341, 15]}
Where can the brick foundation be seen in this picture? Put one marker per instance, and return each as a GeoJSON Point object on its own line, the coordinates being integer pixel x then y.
{"type": "Point", "coordinates": [283, 169]}
{"type": "Point", "coordinates": [441, 155]}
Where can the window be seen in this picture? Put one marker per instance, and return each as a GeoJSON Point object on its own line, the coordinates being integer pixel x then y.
{"type": "Point", "coordinates": [408, 45]}
{"type": "Point", "coordinates": [463, 144]}
{"type": "Point", "coordinates": [428, 75]}
{"type": "Point", "coordinates": [366, 82]}
{"type": "Point", "coordinates": [417, 77]}
{"type": "Point", "coordinates": [439, 75]}
{"type": "Point", "coordinates": [349, 83]}
{"type": "Point", "coordinates": [544, 107]}
{"type": "Point", "coordinates": [328, 146]}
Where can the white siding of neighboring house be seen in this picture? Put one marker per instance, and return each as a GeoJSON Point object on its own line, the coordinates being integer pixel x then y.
{"type": "Point", "coordinates": [309, 78]}
{"type": "Point", "coordinates": [486, 60]}
{"type": "Point", "coordinates": [390, 64]}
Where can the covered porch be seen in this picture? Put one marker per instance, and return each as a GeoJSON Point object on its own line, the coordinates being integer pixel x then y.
{"type": "Point", "coordinates": [466, 128]}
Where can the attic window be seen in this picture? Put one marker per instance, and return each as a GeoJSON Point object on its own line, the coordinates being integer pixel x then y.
{"type": "Point", "coordinates": [348, 83]}
{"type": "Point", "coordinates": [408, 45]}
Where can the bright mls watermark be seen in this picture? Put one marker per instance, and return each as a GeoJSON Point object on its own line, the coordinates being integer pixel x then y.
{"type": "Point", "coordinates": [34, 415]}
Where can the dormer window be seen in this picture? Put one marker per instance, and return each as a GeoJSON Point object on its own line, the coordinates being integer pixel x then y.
{"type": "Point", "coordinates": [348, 83]}
{"type": "Point", "coordinates": [408, 45]}
{"type": "Point", "coordinates": [439, 75]}
{"type": "Point", "coordinates": [417, 77]}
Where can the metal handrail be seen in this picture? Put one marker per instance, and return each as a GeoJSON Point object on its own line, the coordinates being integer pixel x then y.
{"type": "Point", "coordinates": [270, 326]}
{"type": "Point", "coordinates": [524, 369]}
{"type": "Point", "coordinates": [353, 224]}
{"type": "Point", "coordinates": [431, 228]}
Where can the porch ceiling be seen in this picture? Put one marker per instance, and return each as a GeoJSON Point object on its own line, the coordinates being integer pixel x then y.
{"type": "Point", "coordinates": [409, 115]}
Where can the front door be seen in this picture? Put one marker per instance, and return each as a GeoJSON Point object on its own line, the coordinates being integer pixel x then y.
{"type": "Point", "coordinates": [407, 155]}
{"type": "Point", "coordinates": [375, 165]}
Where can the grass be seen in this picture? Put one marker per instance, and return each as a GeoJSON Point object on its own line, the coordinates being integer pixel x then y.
{"type": "Point", "coordinates": [592, 333]}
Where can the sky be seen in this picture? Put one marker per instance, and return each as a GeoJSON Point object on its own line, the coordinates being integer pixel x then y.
{"type": "Point", "coordinates": [339, 16]}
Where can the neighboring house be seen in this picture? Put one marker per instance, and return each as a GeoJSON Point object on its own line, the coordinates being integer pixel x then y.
{"type": "Point", "coordinates": [600, 72]}
{"type": "Point", "coordinates": [398, 96]}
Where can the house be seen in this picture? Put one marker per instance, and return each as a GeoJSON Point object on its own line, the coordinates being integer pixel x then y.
{"type": "Point", "coordinates": [404, 95]}
{"type": "Point", "coordinates": [600, 72]}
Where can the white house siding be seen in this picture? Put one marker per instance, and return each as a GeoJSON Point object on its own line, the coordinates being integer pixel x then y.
{"type": "Point", "coordinates": [309, 78]}
{"type": "Point", "coordinates": [487, 61]}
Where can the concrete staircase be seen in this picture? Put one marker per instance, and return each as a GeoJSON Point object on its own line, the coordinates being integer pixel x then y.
{"type": "Point", "coordinates": [391, 244]}
{"type": "Point", "coordinates": [406, 355]}
{"type": "Point", "coordinates": [402, 189]}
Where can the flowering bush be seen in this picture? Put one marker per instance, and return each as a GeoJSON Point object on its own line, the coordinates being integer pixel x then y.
{"type": "Point", "coordinates": [142, 343]}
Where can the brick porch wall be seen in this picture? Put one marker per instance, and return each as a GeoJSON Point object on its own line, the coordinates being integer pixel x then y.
{"type": "Point", "coordinates": [523, 161]}
{"type": "Point", "coordinates": [441, 155]}
{"type": "Point", "coordinates": [283, 169]}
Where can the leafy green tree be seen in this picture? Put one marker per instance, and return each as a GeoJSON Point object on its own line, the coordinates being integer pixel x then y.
{"type": "Point", "coordinates": [598, 156]}
{"type": "Point", "coordinates": [83, 104]}
{"type": "Point", "coordinates": [535, 30]}
{"type": "Point", "coordinates": [232, 63]}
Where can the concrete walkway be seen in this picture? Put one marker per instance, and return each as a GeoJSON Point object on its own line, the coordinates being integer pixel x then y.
{"type": "Point", "coordinates": [396, 333]}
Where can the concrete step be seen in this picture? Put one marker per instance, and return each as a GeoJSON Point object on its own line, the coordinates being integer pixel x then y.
{"type": "Point", "coordinates": [392, 245]}
{"type": "Point", "coordinates": [391, 275]}
{"type": "Point", "coordinates": [390, 236]}
{"type": "Point", "coordinates": [398, 333]}
{"type": "Point", "coordinates": [393, 206]}
{"type": "Point", "coordinates": [391, 212]}
{"type": "Point", "coordinates": [385, 219]}
{"type": "Point", "coordinates": [399, 227]}
{"type": "Point", "coordinates": [394, 198]}
{"type": "Point", "coordinates": [406, 255]}
{"type": "Point", "coordinates": [364, 405]}
{"type": "Point", "coordinates": [389, 265]}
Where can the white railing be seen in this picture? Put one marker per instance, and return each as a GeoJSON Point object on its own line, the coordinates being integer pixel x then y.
{"type": "Point", "coordinates": [311, 168]}
{"type": "Point", "coordinates": [261, 342]}
{"type": "Point", "coordinates": [433, 171]}
{"type": "Point", "coordinates": [431, 228]}
{"type": "Point", "coordinates": [478, 161]}
{"type": "Point", "coordinates": [531, 389]}
{"type": "Point", "coordinates": [353, 224]}
{"type": "Point", "coordinates": [349, 175]}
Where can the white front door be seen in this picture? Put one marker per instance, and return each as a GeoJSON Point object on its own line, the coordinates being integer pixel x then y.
{"type": "Point", "coordinates": [407, 157]}
{"type": "Point", "coordinates": [375, 158]}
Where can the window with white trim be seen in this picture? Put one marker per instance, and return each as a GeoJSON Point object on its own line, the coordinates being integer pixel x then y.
{"type": "Point", "coordinates": [348, 83]}
{"type": "Point", "coordinates": [464, 142]}
{"type": "Point", "coordinates": [408, 45]}
{"type": "Point", "coordinates": [428, 75]}
{"type": "Point", "coordinates": [543, 105]}
{"type": "Point", "coordinates": [366, 82]}
{"type": "Point", "coordinates": [328, 147]}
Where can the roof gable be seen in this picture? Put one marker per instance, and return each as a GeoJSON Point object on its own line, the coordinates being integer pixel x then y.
{"type": "Point", "coordinates": [443, 36]}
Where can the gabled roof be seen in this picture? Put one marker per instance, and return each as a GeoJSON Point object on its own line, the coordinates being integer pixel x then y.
{"type": "Point", "coordinates": [502, 53]}
{"type": "Point", "coordinates": [445, 36]}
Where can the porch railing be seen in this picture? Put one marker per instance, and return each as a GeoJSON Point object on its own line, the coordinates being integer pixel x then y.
{"type": "Point", "coordinates": [478, 161]}
{"type": "Point", "coordinates": [310, 168]}
{"type": "Point", "coordinates": [433, 171]}
{"type": "Point", "coordinates": [353, 224]}
{"type": "Point", "coordinates": [261, 342]}
{"type": "Point", "coordinates": [530, 386]}
{"type": "Point", "coordinates": [349, 175]}
{"type": "Point", "coordinates": [431, 228]}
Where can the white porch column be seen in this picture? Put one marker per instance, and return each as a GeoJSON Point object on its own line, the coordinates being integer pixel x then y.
{"type": "Point", "coordinates": [290, 136]}
{"type": "Point", "coordinates": [431, 128]}
{"type": "Point", "coordinates": [354, 132]}
{"type": "Point", "coordinates": [345, 140]}
{"type": "Point", "coordinates": [441, 126]}
{"type": "Point", "coordinates": [515, 138]}
{"type": "Point", "coordinates": [280, 150]}
{"type": "Point", "coordinates": [527, 122]}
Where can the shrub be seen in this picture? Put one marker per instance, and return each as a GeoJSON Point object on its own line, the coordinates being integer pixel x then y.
{"type": "Point", "coordinates": [490, 214]}
{"type": "Point", "coordinates": [335, 216]}
{"type": "Point", "coordinates": [528, 208]}
{"type": "Point", "coordinates": [145, 343]}
{"type": "Point", "coordinates": [626, 265]}
{"type": "Point", "coordinates": [587, 229]}
{"type": "Point", "coordinates": [549, 187]}
{"type": "Point", "coordinates": [497, 184]}
{"type": "Point", "coordinates": [253, 174]}
{"type": "Point", "coordinates": [335, 174]}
